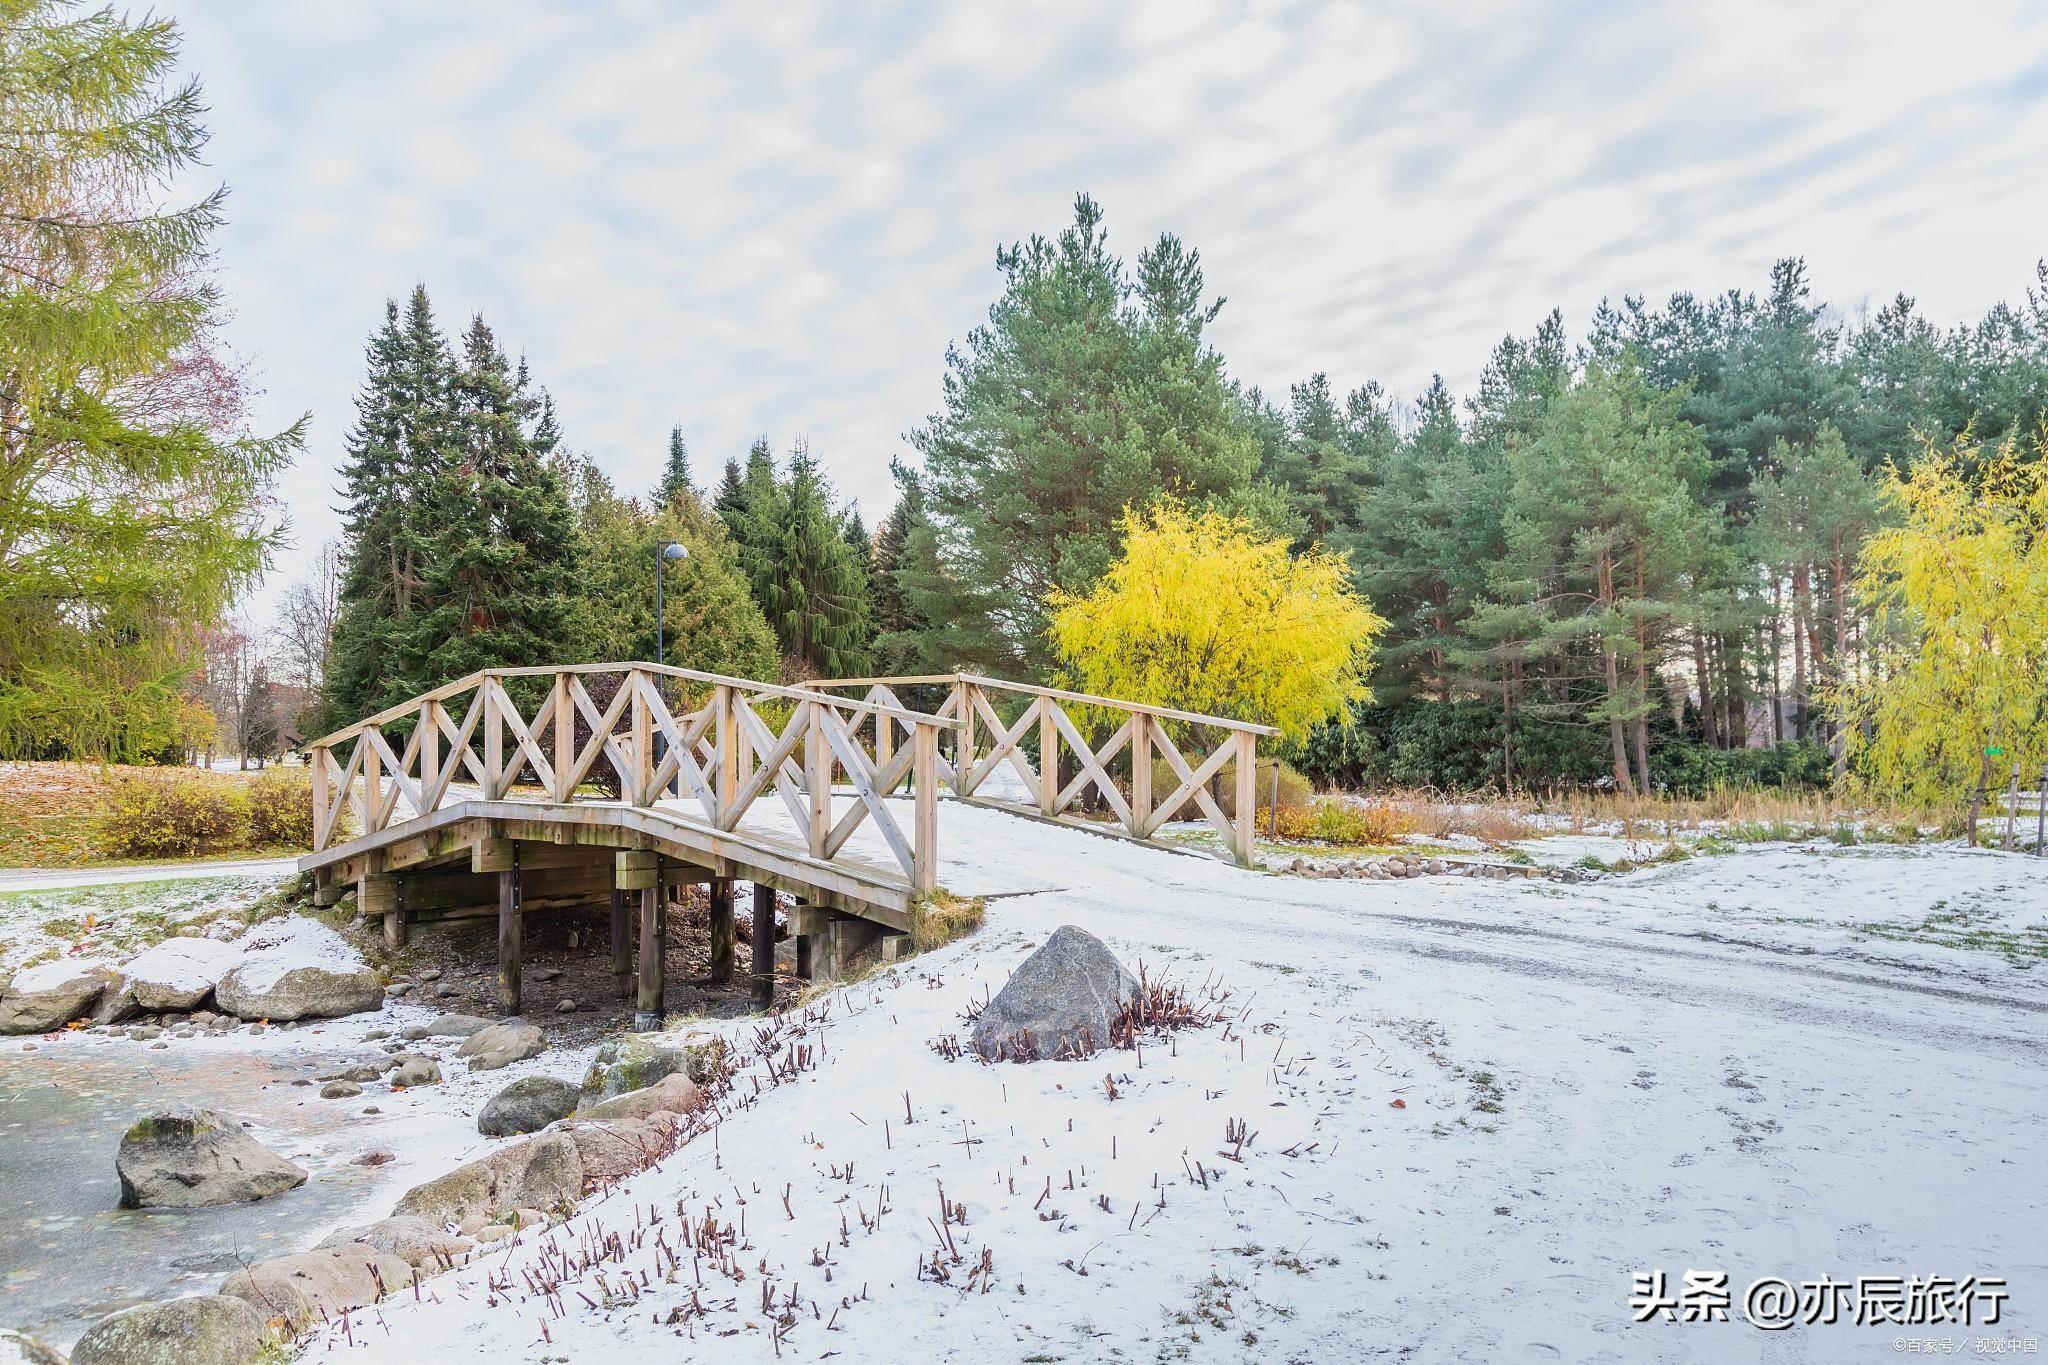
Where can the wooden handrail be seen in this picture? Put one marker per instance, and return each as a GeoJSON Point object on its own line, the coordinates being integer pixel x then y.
{"type": "Point", "coordinates": [799, 692]}
{"type": "Point", "coordinates": [1032, 689]}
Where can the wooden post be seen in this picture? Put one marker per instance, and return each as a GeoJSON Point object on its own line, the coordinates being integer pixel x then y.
{"type": "Point", "coordinates": [511, 936]}
{"type": "Point", "coordinates": [373, 782]}
{"type": "Point", "coordinates": [495, 783]}
{"type": "Point", "coordinates": [721, 930]}
{"type": "Point", "coordinates": [430, 751]}
{"type": "Point", "coordinates": [323, 824]}
{"type": "Point", "coordinates": [1141, 772]}
{"type": "Point", "coordinates": [803, 951]}
{"type": "Point", "coordinates": [653, 948]}
{"type": "Point", "coordinates": [726, 728]}
{"type": "Point", "coordinates": [1048, 759]}
{"type": "Point", "coordinates": [924, 774]}
{"type": "Point", "coordinates": [2012, 805]}
{"type": "Point", "coordinates": [818, 777]}
{"type": "Point", "coordinates": [1245, 827]}
{"type": "Point", "coordinates": [963, 743]}
{"type": "Point", "coordinates": [565, 739]}
{"type": "Point", "coordinates": [643, 793]}
{"type": "Point", "coordinates": [622, 943]}
{"type": "Point", "coordinates": [378, 894]}
{"type": "Point", "coordinates": [764, 945]}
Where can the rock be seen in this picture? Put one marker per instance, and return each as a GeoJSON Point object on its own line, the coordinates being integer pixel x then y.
{"type": "Point", "coordinates": [500, 1045]}
{"type": "Point", "coordinates": [543, 1172]}
{"type": "Point", "coordinates": [428, 973]}
{"type": "Point", "coordinates": [445, 990]}
{"type": "Point", "coordinates": [413, 1240]}
{"type": "Point", "coordinates": [116, 1003]}
{"type": "Point", "coordinates": [315, 1285]}
{"type": "Point", "coordinates": [18, 1348]}
{"type": "Point", "coordinates": [545, 973]}
{"type": "Point", "coordinates": [340, 1090]}
{"type": "Point", "coordinates": [186, 1158]}
{"type": "Point", "coordinates": [179, 973]}
{"type": "Point", "coordinates": [48, 996]}
{"type": "Point", "coordinates": [267, 988]}
{"type": "Point", "coordinates": [528, 1105]}
{"type": "Point", "coordinates": [376, 1035]}
{"type": "Point", "coordinates": [145, 1033]}
{"type": "Point", "coordinates": [634, 1061]}
{"type": "Point", "coordinates": [567, 1006]}
{"type": "Point", "coordinates": [413, 1069]}
{"type": "Point", "coordinates": [399, 988]}
{"type": "Point", "coordinates": [448, 1026]}
{"type": "Point", "coordinates": [211, 1329]}
{"type": "Point", "coordinates": [1064, 996]}
{"type": "Point", "coordinates": [614, 1149]}
{"type": "Point", "coordinates": [675, 1093]}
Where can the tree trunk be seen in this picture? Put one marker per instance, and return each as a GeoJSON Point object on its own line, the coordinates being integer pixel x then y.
{"type": "Point", "coordinates": [1611, 665]}
{"type": "Point", "coordinates": [1709, 731]}
{"type": "Point", "coordinates": [1802, 592]}
{"type": "Point", "coordinates": [1777, 658]}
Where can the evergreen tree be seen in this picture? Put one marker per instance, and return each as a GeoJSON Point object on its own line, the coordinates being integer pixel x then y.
{"type": "Point", "coordinates": [132, 506]}
{"type": "Point", "coordinates": [675, 475]}
{"type": "Point", "coordinates": [808, 580]}
{"type": "Point", "coordinates": [730, 502]}
{"type": "Point", "coordinates": [1084, 393]}
{"type": "Point", "coordinates": [899, 626]}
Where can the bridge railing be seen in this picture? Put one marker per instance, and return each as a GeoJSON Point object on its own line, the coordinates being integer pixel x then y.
{"type": "Point", "coordinates": [722, 745]}
{"type": "Point", "coordinates": [1113, 750]}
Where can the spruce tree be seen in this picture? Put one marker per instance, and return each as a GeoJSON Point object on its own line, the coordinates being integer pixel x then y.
{"type": "Point", "coordinates": [503, 551]}
{"type": "Point", "coordinates": [675, 475]}
{"type": "Point", "coordinates": [808, 580]}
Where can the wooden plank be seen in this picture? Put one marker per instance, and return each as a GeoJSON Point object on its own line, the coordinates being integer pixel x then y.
{"type": "Point", "coordinates": [1157, 713]}
{"type": "Point", "coordinates": [1094, 765]}
{"type": "Point", "coordinates": [1048, 757]}
{"type": "Point", "coordinates": [764, 946]}
{"type": "Point", "coordinates": [722, 926]}
{"type": "Point", "coordinates": [1245, 797]}
{"type": "Point", "coordinates": [868, 803]}
{"type": "Point", "coordinates": [1140, 821]}
{"type": "Point", "coordinates": [427, 734]}
{"type": "Point", "coordinates": [601, 738]}
{"type": "Point", "coordinates": [565, 737]}
{"type": "Point", "coordinates": [496, 780]}
{"type": "Point", "coordinates": [1005, 746]}
{"type": "Point", "coordinates": [817, 778]}
{"type": "Point", "coordinates": [511, 940]}
{"type": "Point", "coordinates": [647, 1012]}
{"type": "Point", "coordinates": [1193, 783]}
{"type": "Point", "coordinates": [924, 874]}
{"type": "Point", "coordinates": [622, 946]}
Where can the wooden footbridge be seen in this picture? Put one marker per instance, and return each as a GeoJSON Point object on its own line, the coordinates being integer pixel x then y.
{"type": "Point", "coordinates": [522, 790]}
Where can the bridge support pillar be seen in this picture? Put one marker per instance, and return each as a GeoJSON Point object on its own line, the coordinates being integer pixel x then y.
{"type": "Point", "coordinates": [721, 930]}
{"type": "Point", "coordinates": [378, 895]}
{"type": "Point", "coordinates": [764, 945]}
{"type": "Point", "coordinates": [847, 942]}
{"type": "Point", "coordinates": [511, 938]}
{"type": "Point", "coordinates": [647, 1014]}
{"type": "Point", "coordinates": [622, 946]}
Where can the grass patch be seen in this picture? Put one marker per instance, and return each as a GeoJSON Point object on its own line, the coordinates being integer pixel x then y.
{"type": "Point", "coordinates": [55, 815]}
{"type": "Point", "coordinates": [939, 917]}
{"type": "Point", "coordinates": [1967, 929]}
{"type": "Point", "coordinates": [122, 919]}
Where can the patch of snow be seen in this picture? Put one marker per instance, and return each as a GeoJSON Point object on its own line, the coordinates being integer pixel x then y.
{"type": "Point", "coordinates": [183, 964]}
{"type": "Point", "coordinates": [45, 975]}
{"type": "Point", "coordinates": [271, 949]}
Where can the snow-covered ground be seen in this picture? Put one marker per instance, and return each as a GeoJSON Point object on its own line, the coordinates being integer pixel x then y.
{"type": "Point", "coordinates": [1477, 1108]}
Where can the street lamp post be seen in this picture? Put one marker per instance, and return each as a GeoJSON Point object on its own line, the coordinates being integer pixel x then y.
{"type": "Point", "coordinates": [664, 553]}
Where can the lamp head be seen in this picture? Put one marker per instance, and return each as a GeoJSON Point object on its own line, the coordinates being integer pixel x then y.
{"type": "Point", "coordinates": [673, 551]}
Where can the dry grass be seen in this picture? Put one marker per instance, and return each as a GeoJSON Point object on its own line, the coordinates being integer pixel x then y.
{"type": "Point", "coordinates": [940, 917]}
{"type": "Point", "coordinates": [1744, 815]}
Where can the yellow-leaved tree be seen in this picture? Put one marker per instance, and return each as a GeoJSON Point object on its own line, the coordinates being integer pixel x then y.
{"type": "Point", "coordinates": [1203, 613]}
{"type": "Point", "coordinates": [1957, 687]}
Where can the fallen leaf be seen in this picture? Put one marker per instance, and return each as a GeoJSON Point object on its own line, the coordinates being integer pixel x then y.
{"type": "Point", "coordinates": [1400, 1104]}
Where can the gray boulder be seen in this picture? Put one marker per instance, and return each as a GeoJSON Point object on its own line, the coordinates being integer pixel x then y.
{"type": "Point", "coordinates": [259, 989]}
{"type": "Point", "coordinates": [179, 973]}
{"type": "Point", "coordinates": [211, 1329]}
{"type": "Point", "coordinates": [449, 1026]}
{"type": "Point", "coordinates": [544, 1172]}
{"type": "Point", "coordinates": [49, 996]}
{"type": "Point", "coordinates": [502, 1044]}
{"type": "Point", "coordinates": [611, 1150]}
{"type": "Point", "coordinates": [316, 1285]}
{"type": "Point", "coordinates": [186, 1158]}
{"type": "Point", "coordinates": [528, 1105]}
{"type": "Point", "coordinates": [413, 1240]}
{"type": "Point", "coordinates": [116, 1003]}
{"type": "Point", "coordinates": [1064, 998]}
{"type": "Point", "coordinates": [413, 1069]}
{"type": "Point", "coordinates": [635, 1061]}
{"type": "Point", "coordinates": [674, 1093]}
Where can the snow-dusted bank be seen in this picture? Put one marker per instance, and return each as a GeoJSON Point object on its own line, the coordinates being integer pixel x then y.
{"type": "Point", "coordinates": [1446, 1120]}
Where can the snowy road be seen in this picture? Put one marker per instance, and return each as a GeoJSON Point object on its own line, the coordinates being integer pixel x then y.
{"type": "Point", "coordinates": [59, 879]}
{"type": "Point", "coordinates": [1716, 1065]}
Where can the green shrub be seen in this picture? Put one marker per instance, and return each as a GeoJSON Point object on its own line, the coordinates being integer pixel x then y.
{"type": "Point", "coordinates": [1295, 792]}
{"type": "Point", "coordinates": [172, 817]}
{"type": "Point", "coordinates": [281, 810]}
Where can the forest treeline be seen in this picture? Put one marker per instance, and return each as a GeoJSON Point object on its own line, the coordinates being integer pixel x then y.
{"type": "Point", "coordinates": [1630, 555]}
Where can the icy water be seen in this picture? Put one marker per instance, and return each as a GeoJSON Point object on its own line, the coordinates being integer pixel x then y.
{"type": "Point", "coordinates": [68, 1253]}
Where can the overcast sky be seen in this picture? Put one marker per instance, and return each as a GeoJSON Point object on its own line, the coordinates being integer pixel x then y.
{"type": "Point", "coordinates": [774, 218]}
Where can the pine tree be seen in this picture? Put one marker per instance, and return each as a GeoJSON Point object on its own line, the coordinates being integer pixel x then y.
{"type": "Point", "coordinates": [1084, 393]}
{"type": "Point", "coordinates": [675, 475]}
{"type": "Point", "coordinates": [503, 552]}
{"type": "Point", "coordinates": [808, 581]}
{"type": "Point", "coordinates": [730, 502]}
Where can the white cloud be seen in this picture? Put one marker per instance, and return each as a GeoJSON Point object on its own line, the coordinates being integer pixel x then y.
{"type": "Point", "coordinates": [774, 219]}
